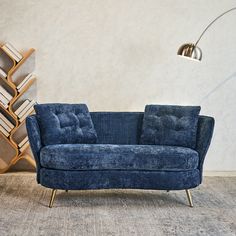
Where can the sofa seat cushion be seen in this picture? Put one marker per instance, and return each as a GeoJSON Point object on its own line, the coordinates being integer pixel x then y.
{"type": "Point", "coordinates": [117, 157]}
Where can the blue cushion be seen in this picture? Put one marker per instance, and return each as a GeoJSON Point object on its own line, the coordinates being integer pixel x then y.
{"type": "Point", "coordinates": [65, 123]}
{"type": "Point", "coordinates": [170, 125]}
{"type": "Point", "coordinates": [117, 157]}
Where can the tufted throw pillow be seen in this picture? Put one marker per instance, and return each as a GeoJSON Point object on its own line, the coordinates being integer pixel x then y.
{"type": "Point", "coordinates": [65, 124]}
{"type": "Point", "coordinates": [170, 125]}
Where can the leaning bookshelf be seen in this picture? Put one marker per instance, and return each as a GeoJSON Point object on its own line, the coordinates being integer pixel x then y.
{"type": "Point", "coordinates": [17, 97]}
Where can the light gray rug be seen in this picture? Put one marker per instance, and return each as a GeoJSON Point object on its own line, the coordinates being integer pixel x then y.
{"type": "Point", "coordinates": [24, 211]}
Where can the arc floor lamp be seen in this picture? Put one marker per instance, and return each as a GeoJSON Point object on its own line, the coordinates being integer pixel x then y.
{"type": "Point", "coordinates": [191, 50]}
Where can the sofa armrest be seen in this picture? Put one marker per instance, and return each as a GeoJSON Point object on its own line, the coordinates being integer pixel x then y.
{"type": "Point", "coordinates": [204, 135]}
{"type": "Point", "coordinates": [33, 131]}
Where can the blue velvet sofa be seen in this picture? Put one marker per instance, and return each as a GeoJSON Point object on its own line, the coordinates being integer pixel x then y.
{"type": "Point", "coordinates": [78, 150]}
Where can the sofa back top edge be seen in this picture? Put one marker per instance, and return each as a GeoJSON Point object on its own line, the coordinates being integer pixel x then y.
{"type": "Point", "coordinates": [120, 127]}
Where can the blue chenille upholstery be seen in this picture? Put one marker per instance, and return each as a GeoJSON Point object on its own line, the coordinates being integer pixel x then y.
{"type": "Point", "coordinates": [118, 127]}
{"type": "Point", "coordinates": [34, 135]}
{"type": "Point", "coordinates": [170, 125]}
{"type": "Point", "coordinates": [65, 123]}
{"type": "Point", "coordinates": [163, 167]}
{"type": "Point", "coordinates": [118, 157]}
{"type": "Point", "coordinates": [119, 179]}
{"type": "Point", "coordinates": [204, 134]}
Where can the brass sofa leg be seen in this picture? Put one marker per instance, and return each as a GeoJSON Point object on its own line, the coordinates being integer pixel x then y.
{"type": "Point", "coordinates": [189, 197]}
{"type": "Point", "coordinates": [52, 198]}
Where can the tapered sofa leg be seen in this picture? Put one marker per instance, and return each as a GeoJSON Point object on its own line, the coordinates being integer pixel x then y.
{"type": "Point", "coordinates": [52, 198]}
{"type": "Point", "coordinates": [67, 191]}
{"type": "Point", "coordinates": [189, 197]}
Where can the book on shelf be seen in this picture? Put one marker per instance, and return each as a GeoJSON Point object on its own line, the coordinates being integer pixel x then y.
{"type": "Point", "coordinates": [6, 121]}
{"type": "Point", "coordinates": [23, 142]}
{"type": "Point", "coordinates": [4, 131]}
{"type": "Point", "coordinates": [5, 93]}
{"type": "Point", "coordinates": [22, 107]}
{"type": "Point", "coordinates": [12, 52]}
{"type": "Point", "coordinates": [31, 104]}
{"type": "Point", "coordinates": [5, 126]}
{"type": "Point", "coordinates": [25, 81]}
{"type": "Point", "coordinates": [3, 74]}
{"type": "Point", "coordinates": [3, 104]}
{"type": "Point", "coordinates": [4, 99]}
{"type": "Point", "coordinates": [16, 52]}
{"type": "Point", "coordinates": [25, 146]}
{"type": "Point", "coordinates": [26, 114]}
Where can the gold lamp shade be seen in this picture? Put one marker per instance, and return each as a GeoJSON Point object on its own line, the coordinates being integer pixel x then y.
{"type": "Point", "coordinates": [190, 51]}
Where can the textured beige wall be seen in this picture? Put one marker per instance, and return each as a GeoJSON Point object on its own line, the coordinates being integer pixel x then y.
{"type": "Point", "coordinates": [120, 55]}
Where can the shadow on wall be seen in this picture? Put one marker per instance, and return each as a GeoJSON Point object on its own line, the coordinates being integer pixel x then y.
{"type": "Point", "coordinates": [217, 87]}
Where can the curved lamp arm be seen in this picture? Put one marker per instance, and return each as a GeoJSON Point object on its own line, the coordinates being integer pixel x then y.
{"type": "Point", "coordinates": [191, 50]}
{"type": "Point", "coordinates": [213, 23]}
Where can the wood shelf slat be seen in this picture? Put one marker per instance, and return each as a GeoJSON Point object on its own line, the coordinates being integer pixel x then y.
{"type": "Point", "coordinates": [9, 150]}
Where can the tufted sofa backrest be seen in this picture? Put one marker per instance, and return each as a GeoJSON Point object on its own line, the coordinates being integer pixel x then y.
{"type": "Point", "coordinates": [170, 125]}
{"type": "Point", "coordinates": [105, 127]}
{"type": "Point", "coordinates": [65, 124]}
